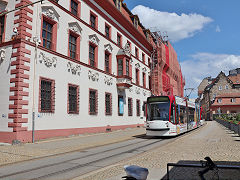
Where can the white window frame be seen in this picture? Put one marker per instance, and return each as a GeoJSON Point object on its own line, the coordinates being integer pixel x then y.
{"type": "Point", "coordinates": [219, 100]}
{"type": "Point", "coordinates": [219, 88]}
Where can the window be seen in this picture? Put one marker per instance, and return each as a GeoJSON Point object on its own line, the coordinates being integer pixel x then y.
{"type": "Point", "coordinates": [46, 95]}
{"type": "Point", "coordinates": [117, 4]}
{"type": "Point", "coordinates": [233, 100]}
{"type": "Point", "coordinates": [129, 106]}
{"type": "Point", "coordinates": [120, 67]}
{"type": "Point", "coordinates": [219, 100]}
{"type": "Point", "coordinates": [219, 88]}
{"type": "Point", "coordinates": [93, 102]}
{"type": "Point", "coordinates": [138, 107]}
{"type": "Point", "coordinates": [92, 55]}
{"type": "Point", "coordinates": [47, 31]}
{"type": "Point", "coordinates": [107, 67]}
{"type": "Point", "coordinates": [135, 21]}
{"type": "Point", "coordinates": [214, 96]}
{"type": "Point", "coordinates": [127, 67]}
{"type": "Point", "coordinates": [119, 40]}
{"type": "Point", "coordinates": [2, 24]}
{"type": "Point", "coordinates": [74, 7]}
{"type": "Point", "coordinates": [149, 82]}
{"type": "Point", "coordinates": [149, 62]}
{"type": "Point", "coordinates": [144, 80]}
{"type": "Point", "coordinates": [73, 99]}
{"type": "Point", "coordinates": [108, 104]}
{"type": "Point", "coordinates": [130, 46]}
{"type": "Point", "coordinates": [136, 53]}
{"type": "Point", "coordinates": [108, 31]}
{"type": "Point", "coordinates": [226, 87]}
{"type": "Point", "coordinates": [72, 46]}
{"type": "Point", "coordinates": [93, 20]}
{"type": "Point", "coordinates": [137, 76]}
{"type": "Point", "coordinates": [143, 57]}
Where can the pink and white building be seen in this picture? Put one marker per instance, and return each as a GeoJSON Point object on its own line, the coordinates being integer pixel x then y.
{"type": "Point", "coordinates": [70, 67]}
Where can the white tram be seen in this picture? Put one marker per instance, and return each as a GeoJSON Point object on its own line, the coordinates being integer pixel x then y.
{"type": "Point", "coordinates": [170, 116]}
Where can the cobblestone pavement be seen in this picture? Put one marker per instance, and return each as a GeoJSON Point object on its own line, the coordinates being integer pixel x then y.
{"type": "Point", "coordinates": [17, 153]}
{"type": "Point", "coordinates": [210, 140]}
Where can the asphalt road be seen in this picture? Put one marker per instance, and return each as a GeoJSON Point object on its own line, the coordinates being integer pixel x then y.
{"type": "Point", "coordinates": [75, 164]}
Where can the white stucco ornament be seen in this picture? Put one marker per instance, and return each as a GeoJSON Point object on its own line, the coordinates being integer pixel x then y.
{"type": "Point", "coordinates": [144, 92]}
{"type": "Point", "coordinates": [127, 50]}
{"type": "Point", "coordinates": [75, 69]}
{"type": "Point", "coordinates": [49, 62]}
{"type": "Point", "coordinates": [108, 81]}
{"type": "Point", "coordinates": [108, 48]}
{"type": "Point", "coordinates": [75, 27]}
{"type": "Point", "coordinates": [94, 39]}
{"type": "Point", "coordinates": [50, 12]}
{"type": "Point", "coordinates": [137, 65]}
{"type": "Point", "coordinates": [2, 55]}
{"type": "Point", "coordinates": [137, 90]}
{"type": "Point", "coordinates": [130, 89]}
{"type": "Point", "coordinates": [94, 76]}
{"type": "Point", "coordinates": [144, 69]}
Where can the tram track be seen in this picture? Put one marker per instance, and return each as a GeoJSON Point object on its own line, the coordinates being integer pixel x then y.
{"type": "Point", "coordinates": [128, 147]}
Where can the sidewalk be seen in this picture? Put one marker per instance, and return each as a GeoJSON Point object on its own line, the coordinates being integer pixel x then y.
{"type": "Point", "coordinates": [49, 147]}
{"type": "Point", "coordinates": [211, 140]}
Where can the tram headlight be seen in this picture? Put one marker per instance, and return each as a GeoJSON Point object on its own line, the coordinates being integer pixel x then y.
{"type": "Point", "coordinates": [167, 124]}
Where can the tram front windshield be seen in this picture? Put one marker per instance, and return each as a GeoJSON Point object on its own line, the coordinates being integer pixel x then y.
{"type": "Point", "coordinates": [158, 111]}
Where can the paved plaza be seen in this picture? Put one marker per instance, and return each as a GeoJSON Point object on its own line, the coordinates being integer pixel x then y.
{"type": "Point", "coordinates": [211, 140]}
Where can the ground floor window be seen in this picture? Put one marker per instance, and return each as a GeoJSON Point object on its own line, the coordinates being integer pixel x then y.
{"type": "Point", "coordinates": [129, 106]}
{"type": "Point", "coordinates": [93, 102]}
{"type": "Point", "coordinates": [46, 95]}
{"type": "Point", "coordinates": [108, 103]}
{"type": "Point", "coordinates": [138, 107]}
{"type": "Point", "coordinates": [73, 101]}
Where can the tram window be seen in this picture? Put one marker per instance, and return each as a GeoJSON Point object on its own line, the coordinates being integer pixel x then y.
{"type": "Point", "coordinates": [183, 117]}
{"type": "Point", "coordinates": [177, 114]}
{"type": "Point", "coordinates": [158, 111]}
{"type": "Point", "coordinates": [191, 114]}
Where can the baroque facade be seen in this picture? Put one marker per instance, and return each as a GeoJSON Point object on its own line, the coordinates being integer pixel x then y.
{"type": "Point", "coordinates": [77, 66]}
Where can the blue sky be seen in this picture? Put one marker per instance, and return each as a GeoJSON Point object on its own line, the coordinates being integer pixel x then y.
{"type": "Point", "coordinates": [204, 33]}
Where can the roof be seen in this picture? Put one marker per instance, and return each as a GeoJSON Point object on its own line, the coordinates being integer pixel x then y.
{"type": "Point", "coordinates": [215, 80]}
{"type": "Point", "coordinates": [235, 79]}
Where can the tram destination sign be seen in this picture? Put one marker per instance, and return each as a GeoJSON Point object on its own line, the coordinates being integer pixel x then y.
{"type": "Point", "coordinates": [158, 99]}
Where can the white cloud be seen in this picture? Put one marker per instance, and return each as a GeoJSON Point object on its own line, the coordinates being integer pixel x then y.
{"type": "Point", "coordinates": [218, 29]}
{"type": "Point", "coordinates": [178, 27]}
{"type": "Point", "coordinates": [206, 64]}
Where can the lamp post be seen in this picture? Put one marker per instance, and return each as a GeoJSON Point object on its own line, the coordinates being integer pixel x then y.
{"type": "Point", "coordinates": [37, 42]}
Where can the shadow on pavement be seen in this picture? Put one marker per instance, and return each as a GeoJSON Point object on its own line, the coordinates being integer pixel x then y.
{"type": "Point", "coordinates": [183, 173]}
{"type": "Point", "coordinates": [144, 136]}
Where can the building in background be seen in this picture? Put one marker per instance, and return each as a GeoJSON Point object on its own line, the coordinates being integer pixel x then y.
{"type": "Point", "coordinates": [221, 95]}
{"type": "Point", "coordinates": [76, 66]}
